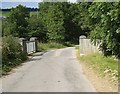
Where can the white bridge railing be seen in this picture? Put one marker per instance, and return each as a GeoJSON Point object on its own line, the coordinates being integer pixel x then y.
{"type": "Point", "coordinates": [29, 46]}
{"type": "Point", "coordinates": [86, 47]}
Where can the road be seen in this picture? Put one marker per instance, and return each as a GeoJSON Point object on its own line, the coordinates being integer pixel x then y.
{"type": "Point", "coordinates": [52, 71]}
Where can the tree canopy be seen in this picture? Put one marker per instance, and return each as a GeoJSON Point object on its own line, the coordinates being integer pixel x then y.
{"type": "Point", "coordinates": [18, 21]}
{"type": "Point", "coordinates": [104, 19]}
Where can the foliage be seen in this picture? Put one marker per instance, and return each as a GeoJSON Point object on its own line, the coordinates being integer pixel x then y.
{"type": "Point", "coordinates": [61, 20]}
{"type": "Point", "coordinates": [12, 54]}
{"type": "Point", "coordinates": [8, 28]}
{"type": "Point", "coordinates": [37, 29]}
{"type": "Point", "coordinates": [52, 18]}
{"type": "Point", "coordinates": [18, 18]}
{"type": "Point", "coordinates": [104, 21]}
{"type": "Point", "coordinates": [71, 23]}
{"type": "Point", "coordinates": [64, 22]}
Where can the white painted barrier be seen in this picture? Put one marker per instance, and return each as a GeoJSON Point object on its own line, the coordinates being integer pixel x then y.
{"type": "Point", "coordinates": [86, 46]}
{"type": "Point", "coordinates": [28, 46]}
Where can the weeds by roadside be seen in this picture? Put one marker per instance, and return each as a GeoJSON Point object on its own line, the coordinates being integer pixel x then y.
{"type": "Point", "coordinates": [12, 55]}
{"type": "Point", "coordinates": [49, 46]}
{"type": "Point", "coordinates": [105, 66]}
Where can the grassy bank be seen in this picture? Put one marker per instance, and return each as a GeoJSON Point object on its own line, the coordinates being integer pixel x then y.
{"type": "Point", "coordinates": [50, 46]}
{"type": "Point", "coordinates": [33, 13]}
{"type": "Point", "coordinates": [7, 13]}
{"type": "Point", "coordinates": [104, 66]}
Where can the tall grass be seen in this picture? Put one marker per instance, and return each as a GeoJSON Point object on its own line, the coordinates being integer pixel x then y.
{"type": "Point", "coordinates": [104, 66]}
{"type": "Point", "coordinates": [49, 46]}
{"type": "Point", "coordinates": [12, 55]}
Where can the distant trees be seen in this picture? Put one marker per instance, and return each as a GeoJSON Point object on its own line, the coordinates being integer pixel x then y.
{"type": "Point", "coordinates": [9, 9]}
{"type": "Point", "coordinates": [77, 21]}
{"type": "Point", "coordinates": [61, 21]}
{"type": "Point", "coordinates": [53, 19]}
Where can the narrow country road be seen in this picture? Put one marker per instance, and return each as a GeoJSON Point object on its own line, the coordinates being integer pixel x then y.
{"type": "Point", "coordinates": [53, 71]}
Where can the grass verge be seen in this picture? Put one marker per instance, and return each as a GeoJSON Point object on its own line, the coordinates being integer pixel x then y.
{"type": "Point", "coordinates": [50, 46]}
{"type": "Point", "coordinates": [5, 13]}
{"type": "Point", "coordinates": [33, 13]}
{"type": "Point", "coordinates": [104, 66]}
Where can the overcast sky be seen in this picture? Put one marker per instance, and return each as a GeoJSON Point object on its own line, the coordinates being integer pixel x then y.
{"type": "Point", "coordinates": [27, 3]}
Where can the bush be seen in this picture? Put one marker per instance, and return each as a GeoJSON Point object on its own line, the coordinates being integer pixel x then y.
{"type": "Point", "coordinates": [12, 54]}
{"type": "Point", "coordinates": [103, 22]}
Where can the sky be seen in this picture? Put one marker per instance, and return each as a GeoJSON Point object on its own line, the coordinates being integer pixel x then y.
{"type": "Point", "coordinates": [14, 4]}
{"type": "Point", "coordinates": [27, 3]}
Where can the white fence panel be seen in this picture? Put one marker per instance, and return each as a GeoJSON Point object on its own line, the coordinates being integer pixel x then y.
{"type": "Point", "coordinates": [28, 46]}
{"type": "Point", "coordinates": [86, 47]}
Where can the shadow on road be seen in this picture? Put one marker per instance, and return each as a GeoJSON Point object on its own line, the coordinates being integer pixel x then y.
{"type": "Point", "coordinates": [39, 53]}
{"type": "Point", "coordinates": [36, 56]}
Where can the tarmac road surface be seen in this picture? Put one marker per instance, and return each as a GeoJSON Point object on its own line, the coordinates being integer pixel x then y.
{"type": "Point", "coordinates": [52, 71]}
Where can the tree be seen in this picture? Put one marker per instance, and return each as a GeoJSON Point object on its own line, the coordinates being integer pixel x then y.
{"type": "Point", "coordinates": [37, 29]}
{"type": "Point", "coordinates": [62, 20]}
{"type": "Point", "coordinates": [72, 23]}
{"type": "Point", "coordinates": [105, 22]}
{"type": "Point", "coordinates": [19, 20]}
{"type": "Point", "coordinates": [52, 17]}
